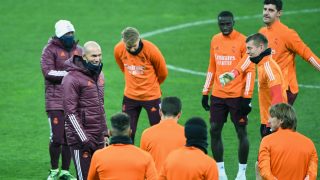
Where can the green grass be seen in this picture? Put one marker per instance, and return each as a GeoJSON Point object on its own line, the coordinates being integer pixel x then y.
{"type": "Point", "coordinates": [27, 25]}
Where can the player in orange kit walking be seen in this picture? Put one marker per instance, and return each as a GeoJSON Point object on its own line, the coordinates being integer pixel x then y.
{"type": "Point", "coordinates": [144, 70]}
{"type": "Point", "coordinates": [286, 154]}
{"type": "Point", "coordinates": [227, 49]}
{"type": "Point", "coordinates": [160, 139]}
{"type": "Point", "coordinates": [121, 159]}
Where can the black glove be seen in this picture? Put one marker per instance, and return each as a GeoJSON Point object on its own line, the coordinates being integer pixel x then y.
{"type": "Point", "coordinates": [245, 106]}
{"type": "Point", "coordinates": [89, 146]}
{"type": "Point", "coordinates": [205, 104]}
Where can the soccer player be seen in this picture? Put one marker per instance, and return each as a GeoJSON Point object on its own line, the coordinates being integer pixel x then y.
{"type": "Point", "coordinates": [83, 89]}
{"type": "Point", "coordinates": [272, 89]}
{"type": "Point", "coordinates": [286, 154]}
{"type": "Point", "coordinates": [191, 161]}
{"type": "Point", "coordinates": [121, 159]}
{"type": "Point", "coordinates": [144, 70]}
{"type": "Point", "coordinates": [59, 48]}
{"type": "Point", "coordinates": [160, 139]}
{"type": "Point", "coordinates": [227, 49]}
{"type": "Point", "coordinates": [285, 44]}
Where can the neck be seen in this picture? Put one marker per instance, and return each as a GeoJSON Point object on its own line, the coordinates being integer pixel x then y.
{"type": "Point", "coordinates": [175, 118]}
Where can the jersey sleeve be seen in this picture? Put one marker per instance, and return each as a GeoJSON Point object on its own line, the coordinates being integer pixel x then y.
{"type": "Point", "coordinates": [151, 172]}
{"type": "Point", "coordinates": [71, 104]}
{"type": "Point", "coordinates": [93, 174]}
{"type": "Point", "coordinates": [212, 172]}
{"type": "Point", "coordinates": [210, 73]}
{"type": "Point", "coordinates": [296, 44]}
{"type": "Point", "coordinates": [249, 77]}
{"type": "Point", "coordinates": [313, 164]}
{"type": "Point", "coordinates": [143, 141]}
{"type": "Point", "coordinates": [48, 67]}
{"type": "Point", "coordinates": [117, 56]}
{"type": "Point", "coordinates": [264, 161]}
{"type": "Point", "coordinates": [159, 64]}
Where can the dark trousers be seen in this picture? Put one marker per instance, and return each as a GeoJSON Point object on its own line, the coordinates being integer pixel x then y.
{"type": "Point", "coordinates": [58, 144]}
{"type": "Point", "coordinates": [82, 160]}
{"type": "Point", "coordinates": [291, 97]}
{"type": "Point", "coordinates": [133, 108]}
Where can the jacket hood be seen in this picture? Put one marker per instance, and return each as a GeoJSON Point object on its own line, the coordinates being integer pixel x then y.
{"type": "Point", "coordinates": [75, 64]}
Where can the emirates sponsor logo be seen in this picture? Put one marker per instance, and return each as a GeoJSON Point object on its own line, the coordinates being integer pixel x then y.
{"type": "Point", "coordinates": [135, 70]}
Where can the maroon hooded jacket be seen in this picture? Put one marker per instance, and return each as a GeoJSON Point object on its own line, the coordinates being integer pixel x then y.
{"type": "Point", "coordinates": [83, 104]}
{"type": "Point", "coordinates": [52, 64]}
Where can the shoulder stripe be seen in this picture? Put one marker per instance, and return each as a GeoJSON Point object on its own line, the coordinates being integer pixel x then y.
{"type": "Point", "coordinates": [208, 80]}
{"type": "Point", "coordinates": [57, 73]}
{"type": "Point", "coordinates": [314, 63]}
{"type": "Point", "coordinates": [246, 63]}
{"type": "Point", "coordinates": [248, 83]}
{"type": "Point", "coordinates": [269, 71]}
{"type": "Point", "coordinates": [77, 127]}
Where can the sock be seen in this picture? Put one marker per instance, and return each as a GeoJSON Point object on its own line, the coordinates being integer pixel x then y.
{"type": "Point", "coordinates": [242, 169]}
{"type": "Point", "coordinates": [221, 169]}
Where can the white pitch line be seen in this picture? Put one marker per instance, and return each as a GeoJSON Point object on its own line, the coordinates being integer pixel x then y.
{"type": "Point", "coordinates": [210, 21]}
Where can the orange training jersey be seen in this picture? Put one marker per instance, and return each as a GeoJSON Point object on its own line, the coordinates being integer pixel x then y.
{"type": "Point", "coordinates": [285, 44]}
{"type": "Point", "coordinates": [143, 72]}
{"type": "Point", "coordinates": [122, 161]}
{"type": "Point", "coordinates": [160, 139]}
{"type": "Point", "coordinates": [225, 54]}
{"type": "Point", "coordinates": [269, 75]}
{"type": "Point", "coordinates": [287, 155]}
{"type": "Point", "coordinates": [189, 163]}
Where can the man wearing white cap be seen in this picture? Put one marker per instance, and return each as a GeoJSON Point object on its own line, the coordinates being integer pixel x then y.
{"type": "Point", "coordinates": [59, 48]}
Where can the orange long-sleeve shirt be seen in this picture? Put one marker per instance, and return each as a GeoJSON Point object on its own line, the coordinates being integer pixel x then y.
{"type": "Point", "coordinates": [160, 139]}
{"type": "Point", "coordinates": [189, 163]}
{"type": "Point", "coordinates": [287, 155]}
{"type": "Point", "coordinates": [122, 161]}
{"type": "Point", "coordinates": [143, 72]}
{"type": "Point", "coordinates": [285, 44]}
{"type": "Point", "coordinates": [225, 53]}
{"type": "Point", "coordinates": [269, 76]}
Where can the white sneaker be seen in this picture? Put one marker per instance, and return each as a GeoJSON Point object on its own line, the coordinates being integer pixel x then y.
{"type": "Point", "coordinates": [223, 177]}
{"type": "Point", "coordinates": [241, 176]}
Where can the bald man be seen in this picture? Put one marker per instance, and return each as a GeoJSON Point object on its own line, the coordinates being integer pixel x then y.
{"type": "Point", "coordinates": [83, 89]}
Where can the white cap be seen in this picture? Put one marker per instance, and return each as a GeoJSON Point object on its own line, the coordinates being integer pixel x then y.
{"type": "Point", "coordinates": [63, 27]}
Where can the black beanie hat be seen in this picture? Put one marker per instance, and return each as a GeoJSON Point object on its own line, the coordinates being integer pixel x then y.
{"type": "Point", "coordinates": [196, 133]}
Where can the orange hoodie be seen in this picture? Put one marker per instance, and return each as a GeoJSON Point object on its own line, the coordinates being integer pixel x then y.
{"type": "Point", "coordinates": [143, 72]}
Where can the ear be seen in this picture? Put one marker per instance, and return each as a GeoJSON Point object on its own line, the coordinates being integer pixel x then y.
{"type": "Point", "coordinates": [109, 132]}
{"type": "Point", "coordinates": [130, 132]}
{"type": "Point", "coordinates": [160, 112]}
{"type": "Point", "coordinates": [279, 13]}
{"type": "Point", "coordinates": [179, 115]}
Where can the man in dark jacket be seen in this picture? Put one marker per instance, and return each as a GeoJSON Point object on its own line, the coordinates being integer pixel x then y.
{"type": "Point", "coordinates": [59, 48]}
{"type": "Point", "coordinates": [83, 89]}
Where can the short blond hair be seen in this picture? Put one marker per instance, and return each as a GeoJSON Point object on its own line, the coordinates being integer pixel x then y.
{"type": "Point", "coordinates": [130, 35]}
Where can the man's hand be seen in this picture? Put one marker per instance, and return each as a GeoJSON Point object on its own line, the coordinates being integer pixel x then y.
{"type": "Point", "coordinates": [226, 77]}
{"type": "Point", "coordinates": [89, 146]}
{"type": "Point", "coordinates": [245, 106]}
{"type": "Point", "coordinates": [205, 104]}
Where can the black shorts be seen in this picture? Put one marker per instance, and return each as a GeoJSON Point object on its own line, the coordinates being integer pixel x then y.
{"type": "Point", "coordinates": [220, 108]}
